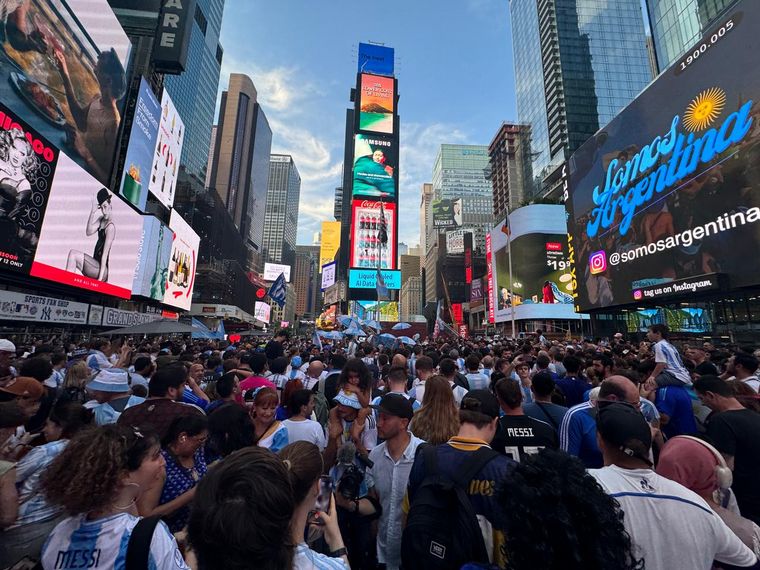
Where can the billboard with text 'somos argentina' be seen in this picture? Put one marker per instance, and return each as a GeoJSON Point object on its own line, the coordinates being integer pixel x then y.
{"type": "Point", "coordinates": [669, 191]}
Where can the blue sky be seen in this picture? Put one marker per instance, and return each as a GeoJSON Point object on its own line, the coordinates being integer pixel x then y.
{"type": "Point", "coordinates": [453, 63]}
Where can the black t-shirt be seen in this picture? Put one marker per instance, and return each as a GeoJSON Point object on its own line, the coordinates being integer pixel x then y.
{"type": "Point", "coordinates": [706, 368]}
{"type": "Point", "coordinates": [737, 433]}
{"type": "Point", "coordinates": [520, 436]}
{"type": "Point", "coordinates": [273, 350]}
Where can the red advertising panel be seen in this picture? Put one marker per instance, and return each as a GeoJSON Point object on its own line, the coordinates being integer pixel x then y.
{"type": "Point", "coordinates": [369, 218]}
{"type": "Point", "coordinates": [89, 236]}
{"type": "Point", "coordinates": [456, 312]}
{"type": "Point", "coordinates": [27, 166]}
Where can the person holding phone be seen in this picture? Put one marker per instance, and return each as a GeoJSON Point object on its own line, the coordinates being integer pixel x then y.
{"type": "Point", "coordinates": [304, 464]}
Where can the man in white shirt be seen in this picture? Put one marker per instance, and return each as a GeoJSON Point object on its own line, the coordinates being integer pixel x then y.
{"type": "Point", "coordinates": [448, 370]}
{"type": "Point", "coordinates": [396, 384]}
{"type": "Point", "coordinates": [670, 526]}
{"type": "Point", "coordinates": [300, 426]}
{"type": "Point", "coordinates": [424, 369]}
{"type": "Point", "coordinates": [742, 367]}
{"type": "Point", "coordinates": [313, 374]}
{"type": "Point", "coordinates": [669, 369]}
{"type": "Point", "coordinates": [388, 477]}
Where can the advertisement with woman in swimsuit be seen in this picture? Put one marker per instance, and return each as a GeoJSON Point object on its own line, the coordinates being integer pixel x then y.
{"type": "Point", "coordinates": [90, 236]}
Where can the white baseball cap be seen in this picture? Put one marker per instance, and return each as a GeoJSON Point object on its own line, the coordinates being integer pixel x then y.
{"type": "Point", "coordinates": [7, 346]}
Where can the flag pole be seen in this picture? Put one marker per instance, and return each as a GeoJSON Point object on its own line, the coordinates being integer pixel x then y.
{"type": "Point", "coordinates": [511, 285]}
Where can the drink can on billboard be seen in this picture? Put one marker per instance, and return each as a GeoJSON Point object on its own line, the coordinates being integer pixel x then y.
{"type": "Point", "coordinates": [138, 162]}
{"type": "Point", "coordinates": [369, 220]}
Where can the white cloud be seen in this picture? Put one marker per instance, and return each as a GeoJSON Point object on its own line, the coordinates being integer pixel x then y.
{"type": "Point", "coordinates": [419, 147]}
{"type": "Point", "coordinates": [286, 95]}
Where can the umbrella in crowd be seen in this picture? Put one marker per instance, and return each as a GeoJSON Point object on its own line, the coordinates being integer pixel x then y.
{"type": "Point", "coordinates": [407, 340]}
{"type": "Point", "coordinates": [348, 321]}
{"type": "Point", "coordinates": [331, 335]}
{"type": "Point", "coordinates": [401, 326]}
{"type": "Point", "coordinates": [373, 325]}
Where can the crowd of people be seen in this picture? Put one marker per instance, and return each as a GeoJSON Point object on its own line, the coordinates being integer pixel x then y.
{"type": "Point", "coordinates": [453, 453]}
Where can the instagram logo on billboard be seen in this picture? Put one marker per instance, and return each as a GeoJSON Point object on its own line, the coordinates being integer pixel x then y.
{"type": "Point", "coordinates": [597, 262]}
{"type": "Point", "coordinates": [637, 295]}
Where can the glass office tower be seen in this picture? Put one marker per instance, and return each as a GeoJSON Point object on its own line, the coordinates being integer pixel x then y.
{"type": "Point", "coordinates": [459, 172]}
{"type": "Point", "coordinates": [194, 91]}
{"type": "Point", "coordinates": [677, 24]}
{"type": "Point", "coordinates": [577, 63]}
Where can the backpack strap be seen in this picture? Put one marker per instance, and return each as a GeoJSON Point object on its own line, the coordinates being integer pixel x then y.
{"type": "Point", "coordinates": [547, 414]}
{"type": "Point", "coordinates": [430, 457]}
{"type": "Point", "coordinates": [138, 548]}
{"type": "Point", "coordinates": [474, 465]}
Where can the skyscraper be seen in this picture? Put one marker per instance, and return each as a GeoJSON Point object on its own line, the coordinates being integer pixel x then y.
{"type": "Point", "coordinates": [459, 172]}
{"type": "Point", "coordinates": [306, 280]}
{"type": "Point", "coordinates": [240, 168]}
{"type": "Point", "coordinates": [426, 216]}
{"type": "Point", "coordinates": [194, 92]}
{"type": "Point", "coordinates": [577, 63]}
{"type": "Point", "coordinates": [509, 168]}
{"type": "Point", "coordinates": [338, 203]}
{"type": "Point", "coordinates": [677, 24]}
{"type": "Point", "coordinates": [281, 214]}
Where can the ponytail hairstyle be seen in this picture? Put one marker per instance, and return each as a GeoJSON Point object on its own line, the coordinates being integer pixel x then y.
{"type": "Point", "coordinates": [304, 464]}
{"type": "Point", "coordinates": [87, 474]}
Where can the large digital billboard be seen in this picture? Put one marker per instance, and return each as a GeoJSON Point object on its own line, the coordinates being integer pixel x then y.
{"type": "Point", "coordinates": [330, 243]}
{"type": "Point", "coordinates": [382, 311]}
{"type": "Point", "coordinates": [376, 103]}
{"type": "Point", "coordinates": [273, 270]}
{"type": "Point", "coordinates": [142, 146]}
{"type": "Point", "coordinates": [682, 319]}
{"type": "Point", "coordinates": [183, 263]}
{"type": "Point", "coordinates": [541, 271]}
{"type": "Point", "coordinates": [668, 190]}
{"type": "Point", "coordinates": [27, 167]}
{"type": "Point", "coordinates": [262, 311]}
{"type": "Point", "coordinates": [368, 220]}
{"type": "Point", "coordinates": [375, 167]}
{"type": "Point", "coordinates": [168, 149]}
{"type": "Point", "coordinates": [153, 258]}
{"type": "Point", "coordinates": [62, 68]}
{"type": "Point", "coordinates": [89, 235]}
{"type": "Point", "coordinates": [447, 214]}
{"type": "Point", "coordinates": [376, 59]}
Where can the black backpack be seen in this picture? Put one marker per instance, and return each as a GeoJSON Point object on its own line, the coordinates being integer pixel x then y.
{"type": "Point", "coordinates": [442, 529]}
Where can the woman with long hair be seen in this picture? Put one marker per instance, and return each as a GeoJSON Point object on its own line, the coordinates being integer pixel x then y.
{"type": "Point", "coordinates": [241, 515]}
{"type": "Point", "coordinates": [437, 420]}
{"type": "Point", "coordinates": [304, 464]}
{"type": "Point", "coordinates": [267, 430]}
{"type": "Point", "coordinates": [183, 452]}
{"type": "Point", "coordinates": [18, 163]}
{"type": "Point", "coordinates": [97, 480]}
{"type": "Point", "coordinates": [36, 516]}
{"type": "Point", "coordinates": [557, 517]}
{"type": "Point", "coordinates": [230, 428]}
{"type": "Point", "coordinates": [74, 383]}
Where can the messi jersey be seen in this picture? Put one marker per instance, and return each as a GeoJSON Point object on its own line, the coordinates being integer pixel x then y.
{"type": "Point", "coordinates": [78, 543]}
